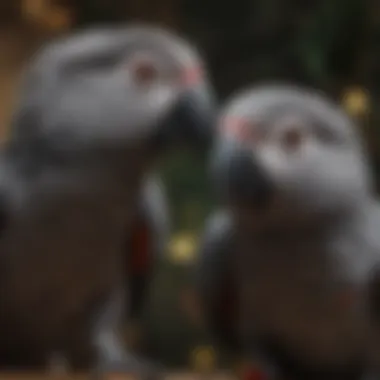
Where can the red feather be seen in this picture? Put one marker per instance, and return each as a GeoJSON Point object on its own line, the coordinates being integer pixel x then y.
{"type": "Point", "coordinates": [140, 259]}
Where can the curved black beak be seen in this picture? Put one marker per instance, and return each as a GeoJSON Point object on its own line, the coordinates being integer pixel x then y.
{"type": "Point", "coordinates": [238, 177]}
{"type": "Point", "coordinates": [192, 122]}
{"type": "Point", "coordinates": [197, 114]}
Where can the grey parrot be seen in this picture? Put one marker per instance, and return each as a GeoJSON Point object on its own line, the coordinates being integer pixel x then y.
{"type": "Point", "coordinates": [97, 109]}
{"type": "Point", "coordinates": [288, 269]}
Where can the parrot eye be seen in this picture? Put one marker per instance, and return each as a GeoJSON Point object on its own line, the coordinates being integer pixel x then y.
{"type": "Point", "coordinates": [144, 69]}
{"type": "Point", "coordinates": [292, 138]}
{"type": "Point", "coordinates": [291, 132]}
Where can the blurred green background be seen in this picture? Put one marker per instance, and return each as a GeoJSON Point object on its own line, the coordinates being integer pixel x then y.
{"type": "Point", "coordinates": [332, 45]}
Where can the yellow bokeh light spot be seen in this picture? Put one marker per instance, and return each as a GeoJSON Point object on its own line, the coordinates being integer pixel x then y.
{"type": "Point", "coordinates": [182, 248]}
{"type": "Point", "coordinates": [356, 101]}
{"type": "Point", "coordinates": [203, 359]}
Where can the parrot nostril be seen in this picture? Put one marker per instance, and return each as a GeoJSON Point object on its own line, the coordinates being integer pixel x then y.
{"type": "Point", "coordinates": [247, 180]}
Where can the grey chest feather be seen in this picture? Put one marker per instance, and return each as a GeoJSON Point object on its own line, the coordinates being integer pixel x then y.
{"type": "Point", "coordinates": [302, 295]}
{"type": "Point", "coordinates": [61, 254]}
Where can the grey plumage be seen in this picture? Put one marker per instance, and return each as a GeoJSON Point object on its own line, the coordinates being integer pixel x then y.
{"type": "Point", "coordinates": [87, 130]}
{"type": "Point", "coordinates": [303, 260]}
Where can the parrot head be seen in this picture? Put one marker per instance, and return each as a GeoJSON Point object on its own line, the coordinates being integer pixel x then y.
{"type": "Point", "coordinates": [134, 86]}
{"type": "Point", "coordinates": [288, 152]}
